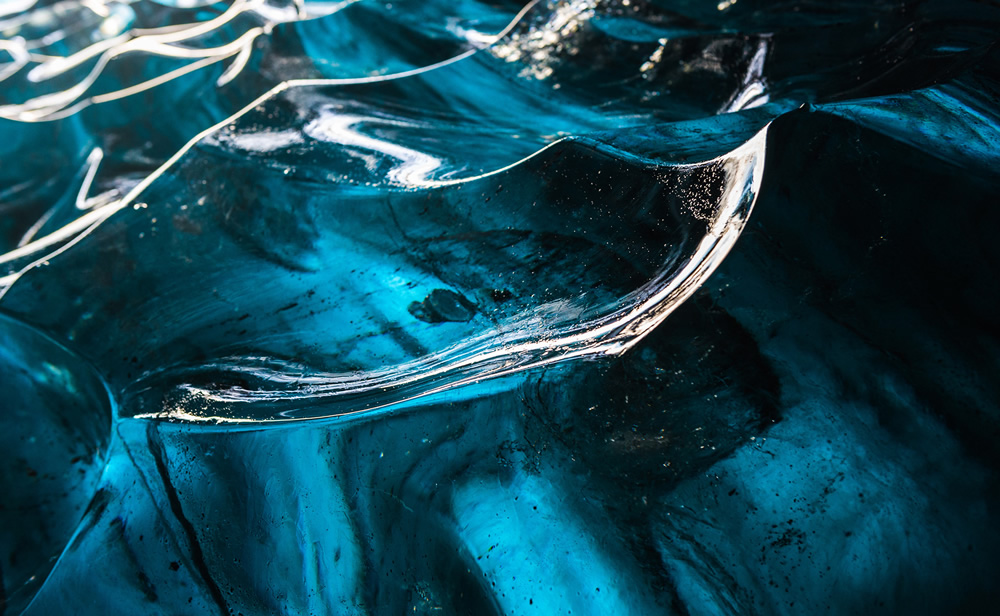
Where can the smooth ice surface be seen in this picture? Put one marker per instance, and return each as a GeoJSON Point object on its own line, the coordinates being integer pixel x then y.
{"type": "Point", "coordinates": [468, 307]}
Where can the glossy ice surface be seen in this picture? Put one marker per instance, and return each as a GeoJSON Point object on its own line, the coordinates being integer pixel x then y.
{"type": "Point", "coordinates": [494, 307]}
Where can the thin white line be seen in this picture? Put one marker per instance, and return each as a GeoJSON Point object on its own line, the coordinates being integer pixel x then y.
{"type": "Point", "coordinates": [203, 27]}
{"type": "Point", "coordinates": [86, 224]}
{"type": "Point", "coordinates": [59, 65]}
{"type": "Point", "coordinates": [33, 229]}
{"type": "Point", "coordinates": [18, 52]}
{"type": "Point", "coordinates": [8, 281]}
{"type": "Point", "coordinates": [238, 64]}
{"type": "Point", "coordinates": [156, 81]}
{"type": "Point", "coordinates": [85, 221]}
{"type": "Point", "coordinates": [94, 161]}
{"type": "Point", "coordinates": [47, 107]}
{"type": "Point", "coordinates": [54, 106]}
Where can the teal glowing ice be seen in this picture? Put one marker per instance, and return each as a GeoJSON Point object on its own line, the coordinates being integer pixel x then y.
{"type": "Point", "coordinates": [468, 307]}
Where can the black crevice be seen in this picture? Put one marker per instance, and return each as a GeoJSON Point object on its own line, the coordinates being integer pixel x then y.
{"type": "Point", "coordinates": [197, 556]}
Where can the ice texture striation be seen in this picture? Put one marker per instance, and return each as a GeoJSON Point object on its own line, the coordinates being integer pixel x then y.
{"type": "Point", "coordinates": [499, 307]}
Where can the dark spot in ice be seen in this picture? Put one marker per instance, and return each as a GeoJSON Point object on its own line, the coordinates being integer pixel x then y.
{"type": "Point", "coordinates": [443, 305]}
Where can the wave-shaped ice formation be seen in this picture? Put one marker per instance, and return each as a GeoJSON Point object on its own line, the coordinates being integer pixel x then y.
{"type": "Point", "coordinates": [239, 238]}
{"type": "Point", "coordinates": [698, 210]}
{"type": "Point", "coordinates": [565, 174]}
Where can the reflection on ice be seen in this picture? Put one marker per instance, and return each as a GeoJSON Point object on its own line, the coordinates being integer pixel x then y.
{"type": "Point", "coordinates": [409, 307]}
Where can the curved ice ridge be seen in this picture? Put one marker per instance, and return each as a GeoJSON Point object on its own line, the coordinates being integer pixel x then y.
{"type": "Point", "coordinates": [33, 252]}
{"type": "Point", "coordinates": [177, 42]}
{"type": "Point", "coordinates": [173, 41]}
{"type": "Point", "coordinates": [552, 331]}
{"type": "Point", "coordinates": [515, 347]}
